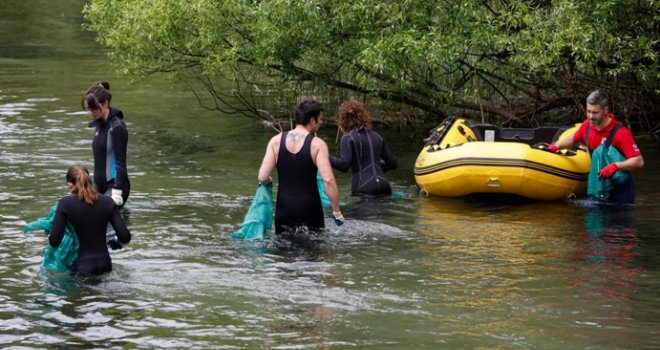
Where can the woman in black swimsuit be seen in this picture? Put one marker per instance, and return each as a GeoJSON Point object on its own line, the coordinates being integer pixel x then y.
{"type": "Point", "coordinates": [89, 212]}
{"type": "Point", "coordinates": [363, 151]}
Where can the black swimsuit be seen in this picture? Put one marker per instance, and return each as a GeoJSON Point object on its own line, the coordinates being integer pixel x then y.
{"type": "Point", "coordinates": [90, 222]}
{"type": "Point", "coordinates": [298, 199]}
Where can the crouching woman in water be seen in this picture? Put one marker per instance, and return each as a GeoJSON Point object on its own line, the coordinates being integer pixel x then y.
{"type": "Point", "coordinates": [89, 213]}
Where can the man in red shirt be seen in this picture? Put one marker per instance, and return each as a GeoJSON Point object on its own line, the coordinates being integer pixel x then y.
{"type": "Point", "coordinates": [594, 131]}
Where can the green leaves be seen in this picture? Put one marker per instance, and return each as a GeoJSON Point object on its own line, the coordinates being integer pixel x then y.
{"type": "Point", "coordinates": [436, 55]}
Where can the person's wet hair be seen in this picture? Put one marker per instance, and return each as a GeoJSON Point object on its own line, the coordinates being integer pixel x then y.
{"type": "Point", "coordinates": [96, 96]}
{"type": "Point", "coordinates": [306, 110]}
{"type": "Point", "coordinates": [78, 176]}
{"type": "Point", "coordinates": [351, 115]}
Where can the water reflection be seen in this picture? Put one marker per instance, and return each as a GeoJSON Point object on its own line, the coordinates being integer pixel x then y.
{"type": "Point", "coordinates": [609, 243]}
{"type": "Point", "coordinates": [610, 235]}
{"type": "Point", "coordinates": [606, 276]}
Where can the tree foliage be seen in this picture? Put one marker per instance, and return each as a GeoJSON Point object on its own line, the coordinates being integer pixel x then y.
{"type": "Point", "coordinates": [507, 61]}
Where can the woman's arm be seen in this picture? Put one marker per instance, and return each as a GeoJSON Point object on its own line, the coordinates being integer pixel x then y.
{"type": "Point", "coordinates": [57, 230]}
{"type": "Point", "coordinates": [119, 136]}
{"type": "Point", "coordinates": [118, 224]}
{"type": "Point", "coordinates": [388, 158]}
{"type": "Point", "coordinates": [344, 162]}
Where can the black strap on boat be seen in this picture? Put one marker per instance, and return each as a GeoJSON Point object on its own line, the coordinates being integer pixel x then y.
{"type": "Point", "coordinates": [436, 136]}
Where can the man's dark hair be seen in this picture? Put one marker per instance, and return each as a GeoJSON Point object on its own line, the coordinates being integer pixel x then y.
{"type": "Point", "coordinates": [598, 97]}
{"type": "Point", "coordinates": [307, 109]}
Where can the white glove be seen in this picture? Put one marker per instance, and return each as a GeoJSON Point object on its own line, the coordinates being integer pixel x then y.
{"type": "Point", "coordinates": [116, 196]}
{"type": "Point", "coordinates": [339, 218]}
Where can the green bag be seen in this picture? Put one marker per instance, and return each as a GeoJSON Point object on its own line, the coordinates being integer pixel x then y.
{"type": "Point", "coordinates": [61, 258]}
{"type": "Point", "coordinates": [598, 188]}
{"type": "Point", "coordinates": [259, 217]}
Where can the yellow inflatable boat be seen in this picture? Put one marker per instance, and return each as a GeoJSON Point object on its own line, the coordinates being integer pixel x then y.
{"type": "Point", "coordinates": [461, 157]}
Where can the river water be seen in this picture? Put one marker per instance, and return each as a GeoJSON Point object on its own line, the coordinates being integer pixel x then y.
{"type": "Point", "coordinates": [402, 273]}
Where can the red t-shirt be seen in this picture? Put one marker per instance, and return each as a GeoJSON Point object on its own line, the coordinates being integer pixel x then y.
{"type": "Point", "coordinates": [623, 140]}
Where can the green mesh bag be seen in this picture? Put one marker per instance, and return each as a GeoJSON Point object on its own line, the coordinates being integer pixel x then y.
{"type": "Point", "coordinates": [61, 258]}
{"type": "Point", "coordinates": [598, 188]}
{"type": "Point", "coordinates": [259, 218]}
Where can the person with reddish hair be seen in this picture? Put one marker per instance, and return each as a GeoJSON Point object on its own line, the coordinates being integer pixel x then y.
{"type": "Point", "coordinates": [363, 151]}
{"type": "Point", "coordinates": [89, 213]}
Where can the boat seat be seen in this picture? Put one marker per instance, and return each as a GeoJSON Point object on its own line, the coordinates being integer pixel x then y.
{"type": "Point", "coordinates": [558, 133]}
{"type": "Point", "coordinates": [485, 132]}
{"type": "Point", "coordinates": [492, 133]}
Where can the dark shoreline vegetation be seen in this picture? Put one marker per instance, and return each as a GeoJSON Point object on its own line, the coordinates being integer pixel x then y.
{"type": "Point", "coordinates": [517, 64]}
{"type": "Point", "coordinates": [416, 126]}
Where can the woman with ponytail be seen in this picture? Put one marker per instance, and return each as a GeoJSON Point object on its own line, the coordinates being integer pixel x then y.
{"type": "Point", "coordinates": [109, 144]}
{"type": "Point", "coordinates": [89, 213]}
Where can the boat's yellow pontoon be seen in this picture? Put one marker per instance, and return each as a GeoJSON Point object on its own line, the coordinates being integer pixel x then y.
{"type": "Point", "coordinates": [462, 157]}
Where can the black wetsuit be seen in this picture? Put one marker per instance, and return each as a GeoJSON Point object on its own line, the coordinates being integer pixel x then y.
{"type": "Point", "coordinates": [298, 199]}
{"type": "Point", "coordinates": [366, 153]}
{"type": "Point", "coordinates": [109, 147]}
{"type": "Point", "coordinates": [90, 222]}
